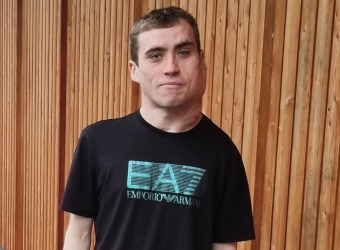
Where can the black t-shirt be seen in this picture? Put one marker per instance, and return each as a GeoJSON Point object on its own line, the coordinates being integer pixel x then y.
{"type": "Point", "coordinates": [147, 189]}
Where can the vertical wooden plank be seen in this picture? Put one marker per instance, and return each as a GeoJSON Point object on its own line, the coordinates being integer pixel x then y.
{"type": "Point", "coordinates": [118, 58]}
{"type": "Point", "coordinates": [32, 199]}
{"type": "Point", "coordinates": [68, 97]}
{"type": "Point", "coordinates": [174, 2]}
{"type": "Point", "coordinates": [29, 138]}
{"type": "Point", "coordinates": [91, 112]}
{"type": "Point", "coordinates": [183, 4]}
{"type": "Point", "coordinates": [42, 124]}
{"type": "Point", "coordinates": [330, 164]}
{"type": "Point", "coordinates": [310, 223]}
{"type": "Point", "coordinates": [11, 117]}
{"type": "Point", "coordinates": [101, 55]}
{"type": "Point", "coordinates": [76, 54]}
{"type": "Point", "coordinates": [42, 185]}
{"type": "Point", "coordinates": [7, 133]}
{"type": "Point", "coordinates": [87, 52]}
{"type": "Point", "coordinates": [229, 65]}
{"type": "Point", "coordinates": [50, 225]}
{"type": "Point", "coordinates": [158, 4]}
{"type": "Point", "coordinates": [3, 139]}
{"type": "Point", "coordinates": [58, 100]}
{"type": "Point", "coordinates": [166, 3]}
{"type": "Point", "coordinates": [96, 58]}
{"type": "Point", "coordinates": [133, 96]}
{"type": "Point", "coordinates": [335, 113]}
{"type": "Point", "coordinates": [253, 83]}
{"type": "Point", "coordinates": [7, 136]}
{"type": "Point", "coordinates": [217, 88]}
{"type": "Point", "coordinates": [271, 77]}
{"type": "Point", "coordinates": [70, 93]}
{"type": "Point", "coordinates": [42, 171]}
{"type": "Point", "coordinates": [151, 5]}
{"type": "Point", "coordinates": [84, 65]}
{"type": "Point", "coordinates": [81, 120]}
{"type": "Point", "coordinates": [55, 131]}
{"type": "Point", "coordinates": [36, 164]}
{"type": "Point", "coordinates": [301, 116]}
{"type": "Point", "coordinates": [27, 118]}
{"type": "Point", "coordinates": [124, 57]}
{"type": "Point", "coordinates": [5, 231]}
{"type": "Point", "coordinates": [192, 8]}
{"type": "Point", "coordinates": [52, 199]}
{"type": "Point", "coordinates": [34, 130]}
{"type": "Point", "coordinates": [23, 82]}
{"type": "Point", "coordinates": [107, 62]}
{"type": "Point", "coordinates": [12, 97]}
{"type": "Point", "coordinates": [209, 49]}
{"type": "Point", "coordinates": [10, 124]}
{"type": "Point", "coordinates": [285, 124]}
{"type": "Point", "coordinates": [113, 62]}
{"type": "Point", "coordinates": [201, 20]}
{"type": "Point", "coordinates": [2, 127]}
{"type": "Point", "coordinates": [21, 89]}
{"type": "Point", "coordinates": [240, 73]}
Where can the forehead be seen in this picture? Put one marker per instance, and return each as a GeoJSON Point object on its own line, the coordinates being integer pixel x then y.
{"type": "Point", "coordinates": [167, 37]}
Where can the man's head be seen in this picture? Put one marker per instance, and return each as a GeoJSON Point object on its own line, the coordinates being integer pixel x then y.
{"type": "Point", "coordinates": [167, 61]}
{"type": "Point", "coordinates": [161, 18]}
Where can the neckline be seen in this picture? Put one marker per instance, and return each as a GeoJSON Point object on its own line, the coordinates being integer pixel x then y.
{"type": "Point", "coordinates": [156, 130]}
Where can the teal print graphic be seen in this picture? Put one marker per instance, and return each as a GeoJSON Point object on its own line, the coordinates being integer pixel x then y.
{"type": "Point", "coordinates": [166, 182]}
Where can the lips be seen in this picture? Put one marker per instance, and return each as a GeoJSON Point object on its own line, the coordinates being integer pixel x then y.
{"type": "Point", "coordinates": [171, 84]}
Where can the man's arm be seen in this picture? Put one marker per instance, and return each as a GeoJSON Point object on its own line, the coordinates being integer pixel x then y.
{"type": "Point", "coordinates": [224, 246]}
{"type": "Point", "coordinates": [78, 233]}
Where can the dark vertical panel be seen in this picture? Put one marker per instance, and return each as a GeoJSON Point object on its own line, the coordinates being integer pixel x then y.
{"type": "Point", "coordinates": [62, 109]}
{"type": "Point", "coordinates": [19, 131]}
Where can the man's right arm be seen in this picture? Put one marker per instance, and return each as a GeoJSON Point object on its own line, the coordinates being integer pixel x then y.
{"type": "Point", "coordinates": [78, 233]}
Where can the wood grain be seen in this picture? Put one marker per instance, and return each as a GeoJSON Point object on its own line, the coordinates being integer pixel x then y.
{"type": "Point", "coordinates": [273, 85]}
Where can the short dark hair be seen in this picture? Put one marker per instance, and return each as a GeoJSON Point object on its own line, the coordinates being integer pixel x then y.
{"type": "Point", "coordinates": [159, 18]}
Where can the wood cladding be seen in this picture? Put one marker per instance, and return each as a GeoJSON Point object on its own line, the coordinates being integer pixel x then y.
{"type": "Point", "coordinates": [273, 86]}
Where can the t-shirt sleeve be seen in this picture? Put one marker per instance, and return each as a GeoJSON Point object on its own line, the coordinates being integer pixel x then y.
{"type": "Point", "coordinates": [79, 196]}
{"type": "Point", "coordinates": [233, 218]}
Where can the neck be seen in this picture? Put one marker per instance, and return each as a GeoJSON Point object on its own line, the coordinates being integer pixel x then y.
{"type": "Point", "coordinates": [172, 120]}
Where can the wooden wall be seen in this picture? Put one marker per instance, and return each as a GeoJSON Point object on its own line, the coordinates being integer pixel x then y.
{"type": "Point", "coordinates": [273, 85]}
{"type": "Point", "coordinates": [8, 96]}
{"type": "Point", "coordinates": [30, 123]}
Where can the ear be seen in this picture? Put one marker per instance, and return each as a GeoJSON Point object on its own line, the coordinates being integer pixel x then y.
{"type": "Point", "coordinates": [133, 68]}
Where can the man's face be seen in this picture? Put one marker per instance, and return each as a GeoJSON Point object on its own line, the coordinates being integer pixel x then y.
{"type": "Point", "coordinates": [170, 70]}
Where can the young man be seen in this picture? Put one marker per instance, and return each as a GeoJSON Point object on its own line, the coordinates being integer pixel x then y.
{"type": "Point", "coordinates": [164, 177]}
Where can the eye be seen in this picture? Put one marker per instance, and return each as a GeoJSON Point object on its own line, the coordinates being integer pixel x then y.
{"type": "Point", "coordinates": [184, 53]}
{"type": "Point", "coordinates": [155, 56]}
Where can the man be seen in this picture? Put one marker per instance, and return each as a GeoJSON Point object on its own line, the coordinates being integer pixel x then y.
{"type": "Point", "coordinates": [164, 177]}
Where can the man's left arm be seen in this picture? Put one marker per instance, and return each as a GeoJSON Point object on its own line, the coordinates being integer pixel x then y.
{"type": "Point", "coordinates": [224, 246]}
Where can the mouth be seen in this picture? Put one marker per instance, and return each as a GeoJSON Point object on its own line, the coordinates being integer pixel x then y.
{"type": "Point", "coordinates": [172, 84]}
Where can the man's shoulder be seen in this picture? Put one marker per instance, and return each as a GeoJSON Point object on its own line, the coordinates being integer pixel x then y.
{"type": "Point", "coordinates": [216, 136]}
{"type": "Point", "coordinates": [109, 125]}
{"type": "Point", "coordinates": [214, 130]}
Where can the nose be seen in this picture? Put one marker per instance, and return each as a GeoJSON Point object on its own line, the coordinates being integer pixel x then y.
{"type": "Point", "coordinates": [171, 66]}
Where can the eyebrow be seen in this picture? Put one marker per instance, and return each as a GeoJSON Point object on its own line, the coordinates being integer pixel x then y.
{"type": "Point", "coordinates": [161, 49]}
{"type": "Point", "coordinates": [184, 44]}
